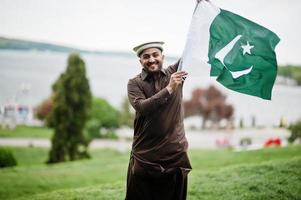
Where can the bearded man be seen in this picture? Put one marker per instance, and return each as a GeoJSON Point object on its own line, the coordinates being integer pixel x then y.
{"type": "Point", "coordinates": [159, 163]}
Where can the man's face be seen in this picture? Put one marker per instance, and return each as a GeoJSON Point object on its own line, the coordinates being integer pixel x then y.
{"type": "Point", "coordinates": [152, 59]}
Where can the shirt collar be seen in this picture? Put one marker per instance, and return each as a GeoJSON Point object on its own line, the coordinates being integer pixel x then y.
{"type": "Point", "coordinates": [144, 73]}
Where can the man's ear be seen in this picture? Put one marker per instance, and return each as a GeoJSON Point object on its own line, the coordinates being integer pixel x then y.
{"type": "Point", "coordinates": [163, 56]}
{"type": "Point", "coordinates": [140, 61]}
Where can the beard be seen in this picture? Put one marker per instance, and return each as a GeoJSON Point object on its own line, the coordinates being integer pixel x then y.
{"type": "Point", "coordinates": [148, 67]}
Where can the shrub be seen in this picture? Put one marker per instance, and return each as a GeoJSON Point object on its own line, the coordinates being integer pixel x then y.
{"type": "Point", "coordinates": [44, 108]}
{"type": "Point", "coordinates": [103, 121]}
{"type": "Point", "coordinates": [104, 113]}
{"type": "Point", "coordinates": [95, 130]}
{"type": "Point", "coordinates": [7, 158]}
{"type": "Point", "coordinates": [296, 131]}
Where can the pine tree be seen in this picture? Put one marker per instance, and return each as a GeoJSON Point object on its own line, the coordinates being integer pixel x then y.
{"type": "Point", "coordinates": [71, 107]}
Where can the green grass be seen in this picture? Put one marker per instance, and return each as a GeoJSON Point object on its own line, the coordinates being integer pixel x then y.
{"type": "Point", "coordinates": [270, 180]}
{"type": "Point", "coordinates": [106, 167]}
{"type": "Point", "coordinates": [221, 174]}
{"type": "Point", "coordinates": [27, 132]}
{"type": "Point", "coordinates": [29, 156]}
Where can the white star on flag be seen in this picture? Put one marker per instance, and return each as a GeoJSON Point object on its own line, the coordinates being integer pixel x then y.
{"type": "Point", "coordinates": [247, 48]}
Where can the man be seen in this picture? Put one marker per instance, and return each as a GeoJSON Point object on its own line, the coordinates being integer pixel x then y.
{"type": "Point", "coordinates": [159, 163]}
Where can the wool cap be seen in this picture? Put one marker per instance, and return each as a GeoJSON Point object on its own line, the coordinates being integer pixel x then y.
{"type": "Point", "coordinates": [140, 48]}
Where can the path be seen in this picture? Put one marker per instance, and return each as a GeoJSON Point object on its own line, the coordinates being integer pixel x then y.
{"type": "Point", "coordinates": [196, 139]}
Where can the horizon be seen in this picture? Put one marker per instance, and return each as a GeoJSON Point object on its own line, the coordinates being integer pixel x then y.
{"type": "Point", "coordinates": [170, 56]}
{"type": "Point", "coordinates": [118, 26]}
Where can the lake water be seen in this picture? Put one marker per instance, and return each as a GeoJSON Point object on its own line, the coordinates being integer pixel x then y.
{"type": "Point", "coordinates": [109, 75]}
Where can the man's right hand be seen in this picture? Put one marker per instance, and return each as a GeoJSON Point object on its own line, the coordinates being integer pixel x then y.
{"type": "Point", "coordinates": [176, 79]}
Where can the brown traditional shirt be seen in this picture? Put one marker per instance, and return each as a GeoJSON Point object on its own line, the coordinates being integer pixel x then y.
{"type": "Point", "coordinates": [159, 144]}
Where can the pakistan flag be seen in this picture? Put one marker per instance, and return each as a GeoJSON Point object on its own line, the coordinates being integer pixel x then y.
{"type": "Point", "coordinates": [240, 52]}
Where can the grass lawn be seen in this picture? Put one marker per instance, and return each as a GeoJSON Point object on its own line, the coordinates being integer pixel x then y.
{"type": "Point", "coordinates": [27, 132]}
{"type": "Point", "coordinates": [218, 174]}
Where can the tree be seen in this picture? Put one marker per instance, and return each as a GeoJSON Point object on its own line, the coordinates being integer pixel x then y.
{"type": "Point", "coordinates": [69, 113]}
{"type": "Point", "coordinates": [209, 103]}
{"type": "Point", "coordinates": [44, 108]}
{"type": "Point", "coordinates": [291, 71]}
{"type": "Point", "coordinates": [295, 132]}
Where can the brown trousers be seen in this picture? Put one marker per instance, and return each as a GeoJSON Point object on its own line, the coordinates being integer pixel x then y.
{"type": "Point", "coordinates": [145, 185]}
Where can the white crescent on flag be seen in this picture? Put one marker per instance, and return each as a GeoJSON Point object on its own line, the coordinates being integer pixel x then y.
{"type": "Point", "coordinates": [223, 53]}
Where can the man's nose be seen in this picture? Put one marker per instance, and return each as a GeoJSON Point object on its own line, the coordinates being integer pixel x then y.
{"type": "Point", "coordinates": [151, 59]}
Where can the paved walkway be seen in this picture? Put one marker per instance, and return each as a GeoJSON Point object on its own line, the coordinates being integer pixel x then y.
{"type": "Point", "coordinates": [45, 143]}
{"type": "Point", "coordinates": [196, 139]}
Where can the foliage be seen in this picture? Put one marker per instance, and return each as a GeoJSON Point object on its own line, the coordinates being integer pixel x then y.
{"type": "Point", "coordinates": [241, 123]}
{"type": "Point", "coordinates": [291, 71]}
{"type": "Point", "coordinates": [7, 158]}
{"type": "Point", "coordinates": [42, 110]}
{"type": "Point", "coordinates": [71, 108]}
{"type": "Point", "coordinates": [126, 116]}
{"type": "Point", "coordinates": [94, 130]}
{"type": "Point", "coordinates": [296, 131]}
{"type": "Point", "coordinates": [209, 103]}
{"type": "Point", "coordinates": [105, 113]}
{"type": "Point", "coordinates": [103, 117]}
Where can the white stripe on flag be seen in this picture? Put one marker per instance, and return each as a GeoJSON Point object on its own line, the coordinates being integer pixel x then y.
{"type": "Point", "coordinates": [197, 43]}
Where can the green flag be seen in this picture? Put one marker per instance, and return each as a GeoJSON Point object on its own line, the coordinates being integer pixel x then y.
{"type": "Point", "coordinates": [240, 52]}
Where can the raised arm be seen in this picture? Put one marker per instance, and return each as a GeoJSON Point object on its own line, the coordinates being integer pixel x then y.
{"type": "Point", "coordinates": [145, 105]}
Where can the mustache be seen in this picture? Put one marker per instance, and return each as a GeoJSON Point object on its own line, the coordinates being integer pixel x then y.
{"type": "Point", "coordinates": [150, 63]}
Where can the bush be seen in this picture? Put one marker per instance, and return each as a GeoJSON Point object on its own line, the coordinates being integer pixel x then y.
{"type": "Point", "coordinates": [95, 130]}
{"type": "Point", "coordinates": [296, 131]}
{"type": "Point", "coordinates": [92, 129]}
{"type": "Point", "coordinates": [105, 113]}
{"type": "Point", "coordinates": [104, 119]}
{"type": "Point", "coordinates": [7, 158]}
{"type": "Point", "coordinates": [44, 108]}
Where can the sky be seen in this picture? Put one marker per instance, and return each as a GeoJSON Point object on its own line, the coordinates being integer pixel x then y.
{"type": "Point", "coordinates": [119, 25]}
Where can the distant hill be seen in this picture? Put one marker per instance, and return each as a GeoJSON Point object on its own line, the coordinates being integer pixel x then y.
{"type": "Point", "coordinates": [25, 45]}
